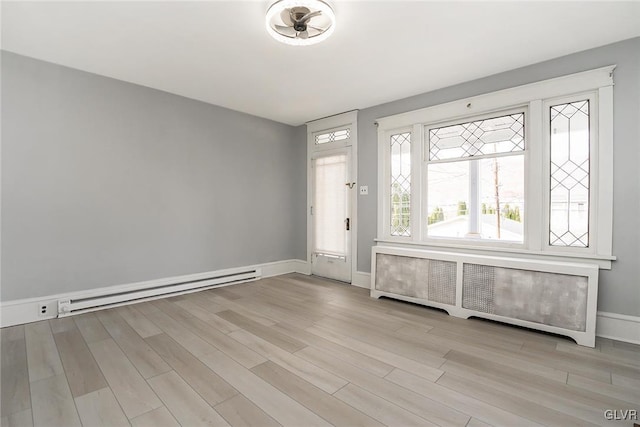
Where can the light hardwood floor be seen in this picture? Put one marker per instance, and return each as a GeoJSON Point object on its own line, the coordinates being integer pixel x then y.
{"type": "Point", "coordinates": [303, 351]}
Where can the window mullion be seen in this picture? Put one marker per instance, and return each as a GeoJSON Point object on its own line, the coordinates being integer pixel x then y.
{"type": "Point", "coordinates": [536, 178]}
{"type": "Point", "coordinates": [474, 199]}
{"type": "Point", "coordinates": [416, 182]}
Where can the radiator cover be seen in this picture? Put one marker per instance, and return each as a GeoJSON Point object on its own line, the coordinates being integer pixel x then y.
{"type": "Point", "coordinates": [551, 296]}
{"type": "Point", "coordinates": [428, 279]}
{"type": "Point", "coordinates": [548, 298]}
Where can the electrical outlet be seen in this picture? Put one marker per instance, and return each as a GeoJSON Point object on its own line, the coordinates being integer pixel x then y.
{"type": "Point", "coordinates": [364, 190]}
{"type": "Point", "coordinates": [43, 310]}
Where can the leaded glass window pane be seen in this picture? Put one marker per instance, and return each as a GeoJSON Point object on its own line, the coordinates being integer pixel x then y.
{"type": "Point", "coordinates": [338, 135]}
{"type": "Point", "coordinates": [569, 207]}
{"type": "Point", "coordinates": [498, 135]}
{"type": "Point", "coordinates": [401, 184]}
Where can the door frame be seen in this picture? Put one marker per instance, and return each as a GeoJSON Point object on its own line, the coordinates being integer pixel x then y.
{"type": "Point", "coordinates": [339, 121]}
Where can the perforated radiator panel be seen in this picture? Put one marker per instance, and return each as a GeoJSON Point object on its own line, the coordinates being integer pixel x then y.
{"type": "Point", "coordinates": [442, 282]}
{"type": "Point", "coordinates": [426, 279]}
{"type": "Point", "coordinates": [548, 298]}
{"type": "Point", "coordinates": [478, 284]}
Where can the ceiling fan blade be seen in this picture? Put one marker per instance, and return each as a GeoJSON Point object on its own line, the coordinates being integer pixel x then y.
{"type": "Point", "coordinates": [286, 31]}
{"type": "Point", "coordinates": [285, 15]}
{"type": "Point", "coordinates": [303, 34]}
{"type": "Point", "coordinates": [308, 16]}
{"type": "Point", "coordinates": [313, 31]}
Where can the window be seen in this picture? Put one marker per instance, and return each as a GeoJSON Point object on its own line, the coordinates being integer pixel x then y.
{"type": "Point", "coordinates": [401, 184]}
{"type": "Point", "coordinates": [477, 199]}
{"type": "Point", "coordinates": [486, 137]}
{"type": "Point", "coordinates": [527, 169]}
{"type": "Point", "coordinates": [329, 202]}
{"type": "Point", "coordinates": [569, 189]}
{"type": "Point", "coordinates": [475, 179]}
{"type": "Point", "coordinates": [337, 135]}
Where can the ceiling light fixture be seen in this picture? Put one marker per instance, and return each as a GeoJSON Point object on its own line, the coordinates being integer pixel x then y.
{"type": "Point", "coordinates": [300, 22]}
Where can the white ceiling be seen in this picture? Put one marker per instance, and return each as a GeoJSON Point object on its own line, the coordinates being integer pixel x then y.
{"type": "Point", "coordinates": [220, 53]}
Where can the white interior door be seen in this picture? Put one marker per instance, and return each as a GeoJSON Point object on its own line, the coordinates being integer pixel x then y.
{"type": "Point", "coordinates": [331, 214]}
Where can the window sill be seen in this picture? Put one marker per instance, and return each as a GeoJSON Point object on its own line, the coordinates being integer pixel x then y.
{"type": "Point", "coordinates": [603, 261]}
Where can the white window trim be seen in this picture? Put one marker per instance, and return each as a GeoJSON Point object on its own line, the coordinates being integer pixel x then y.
{"type": "Point", "coordinates": [536, 97]}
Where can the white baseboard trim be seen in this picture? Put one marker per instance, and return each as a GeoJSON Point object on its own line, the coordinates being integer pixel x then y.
{"type": "Point", "coordinates": [279, 268]}
{"type": "Point", "coordinates": [361, 279]}
{"type": "Point", "coordinates": [302, 267]}
{"type": "Point", "coordinates": [614, 326]}
{"type": "Point", "coordinates": [619, 327]}
{"type": "Point", "coordinates": [26, 310]}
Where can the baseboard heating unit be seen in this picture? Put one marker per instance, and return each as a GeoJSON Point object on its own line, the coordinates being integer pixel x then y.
{"type": "Point", "coordinates": [110, 297]}
{"type": "Point", "coordinates": [558, 297]}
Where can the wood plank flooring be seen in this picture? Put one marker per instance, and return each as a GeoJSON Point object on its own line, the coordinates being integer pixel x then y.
{"type": "Point", "coordinates": [303, 351]}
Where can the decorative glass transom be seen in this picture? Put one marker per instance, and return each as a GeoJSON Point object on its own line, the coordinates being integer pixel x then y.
{"type": "Point", "coordinates": [336, 135]}
{"type": "Point", "coordinates": [497, 135]}
{"type": "Point", "coordinates": [401, 184]}
{"type": "Point", "coordinates": [569, 207]}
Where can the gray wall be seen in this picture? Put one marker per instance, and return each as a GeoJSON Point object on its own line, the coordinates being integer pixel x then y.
{"type": "Point", "coordinates": [106, 183]}
{"type": "Point", "coordinates": [620, 287]}
{"type": "Point", "coordinates": [299, 223]}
